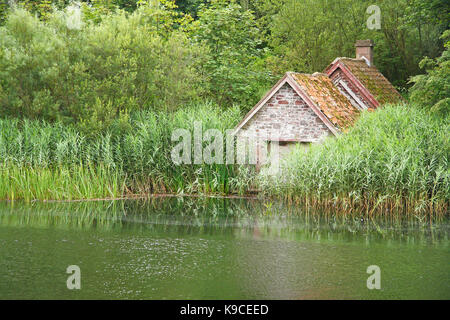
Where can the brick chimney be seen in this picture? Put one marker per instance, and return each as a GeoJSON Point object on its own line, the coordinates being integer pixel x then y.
{"type": "Point", "coordinates": [364, 48]}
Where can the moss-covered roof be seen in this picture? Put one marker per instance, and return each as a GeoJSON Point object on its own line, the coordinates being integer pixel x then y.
{"type": "Point", "coordinates": [335, 106]}
{"type": "Point", "coordinates": [373, 80]}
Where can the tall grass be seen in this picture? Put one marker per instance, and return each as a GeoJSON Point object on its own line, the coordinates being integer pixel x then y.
{"type": "Point", "coordinates": [393, 159]}
{"type": "Point", "coordinates": [76, 182]}
{"type": "Point", "coordinates": [39, 160]}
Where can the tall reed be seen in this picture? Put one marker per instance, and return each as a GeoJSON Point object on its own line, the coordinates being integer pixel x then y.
{"type": "Point", "coordinates": [394, 158]}
{"type": "Point", "coordinates": [39, 160]}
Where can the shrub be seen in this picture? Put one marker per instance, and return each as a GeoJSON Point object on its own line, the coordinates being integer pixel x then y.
{"type": "Point", "coordinates": [90, 73]}
{"type": "Point", "coordinates": [232, 39]}
{"type": "Point", "coordinates": [432, 90]}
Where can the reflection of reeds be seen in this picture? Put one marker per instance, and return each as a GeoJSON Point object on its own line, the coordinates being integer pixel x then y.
{"type": "Point", "coordinates": [102, 214]}
{"type": "Point", "coordinates": [393, 160]}
{"type": "Point", "coordinates": [215, 217]}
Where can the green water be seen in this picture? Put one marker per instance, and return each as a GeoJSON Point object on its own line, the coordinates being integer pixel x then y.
{"type": "Point", "coordinates": [184, 248]}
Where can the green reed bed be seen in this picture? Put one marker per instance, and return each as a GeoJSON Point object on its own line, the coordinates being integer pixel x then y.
{"type": "Point", "coordinates": [394, 159]}
{"type": "Point", "coordinates": [68, 183]}
{"type": "Point", "coordinates": [39, 160]}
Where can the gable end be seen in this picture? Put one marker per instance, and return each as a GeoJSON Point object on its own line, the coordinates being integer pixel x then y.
{"type": "Point", "coordinates": [285, 116]}
{"type": "Point", "coordinates": [287, 79]}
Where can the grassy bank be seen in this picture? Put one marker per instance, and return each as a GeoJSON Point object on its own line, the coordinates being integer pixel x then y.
{"type": "Point", "coordinates": [53, 161]}
{"type": "Point", "coordinates": [393, 159]}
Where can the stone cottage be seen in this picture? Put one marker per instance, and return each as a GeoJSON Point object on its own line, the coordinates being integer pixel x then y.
{"type": "Point", "coordinates": [304, 108]}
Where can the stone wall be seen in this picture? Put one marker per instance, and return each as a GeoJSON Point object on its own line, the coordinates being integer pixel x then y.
{"type": "Point", "coordinates": [287, 117]}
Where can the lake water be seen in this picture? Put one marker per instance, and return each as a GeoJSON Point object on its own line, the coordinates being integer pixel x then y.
{"type": "Point", "coordinates": [192, 248]}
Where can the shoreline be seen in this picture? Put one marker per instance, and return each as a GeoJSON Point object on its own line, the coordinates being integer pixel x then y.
{"type": "Point", "coordinates": [138, 196]}
{"type": "Point", "coordinates": [341, 206]}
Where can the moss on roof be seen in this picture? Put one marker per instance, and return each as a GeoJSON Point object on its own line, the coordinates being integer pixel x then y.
{"type": "Point", "coordinates": [374, 81]}
{"type": "Point", "coordinates": [333, 104]}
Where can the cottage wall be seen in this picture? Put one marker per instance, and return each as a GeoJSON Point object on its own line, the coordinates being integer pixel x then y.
{"type": "Point", "coordinates": [287, 117]}
{"type": "Point", "coordinates": [337, 76]}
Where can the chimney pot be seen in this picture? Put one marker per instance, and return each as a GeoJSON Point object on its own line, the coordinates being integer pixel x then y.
{"type": "Point", "coordinates": [364, 48]}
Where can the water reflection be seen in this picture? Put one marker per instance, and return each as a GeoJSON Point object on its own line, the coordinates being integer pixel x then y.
{"type": "Point", "coordinates": [192, 248]}
{"type": "Point", "coordinates": [244, 218]}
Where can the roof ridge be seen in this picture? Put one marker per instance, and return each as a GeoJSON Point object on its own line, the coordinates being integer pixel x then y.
{"type": "Point", "coordinates": [307, 74]}
{"type": "Point", "coordinates": [347, 58]}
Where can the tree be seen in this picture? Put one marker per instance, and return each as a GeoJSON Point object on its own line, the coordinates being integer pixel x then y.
{"type": "Point", "coordinates": [93, 73]}
{"type": "Point", "coordinates": [231, 37]}
{"type": "Point", "coordinates": [190, 7]}
{"type": "Point", "coordinates": [432, 90]}
{"type": "Point", "coordinates": [305, 36]}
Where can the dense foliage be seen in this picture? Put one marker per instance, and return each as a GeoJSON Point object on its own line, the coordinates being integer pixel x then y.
{"type": "Point", "coordinates": [433, 89]}
{"type": "Point", "coordinates": [98, 60]}
{"type": "Point", "coordinates": [39, 160]}
{"type": "Point", "coordinates": [92, 73]}
{"type": "Point", "coordinates": [233, 41]}
{"type": "Point", "coordinates": [394, 158]}
{"type": "Point", "coordinates": [307, 35]}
